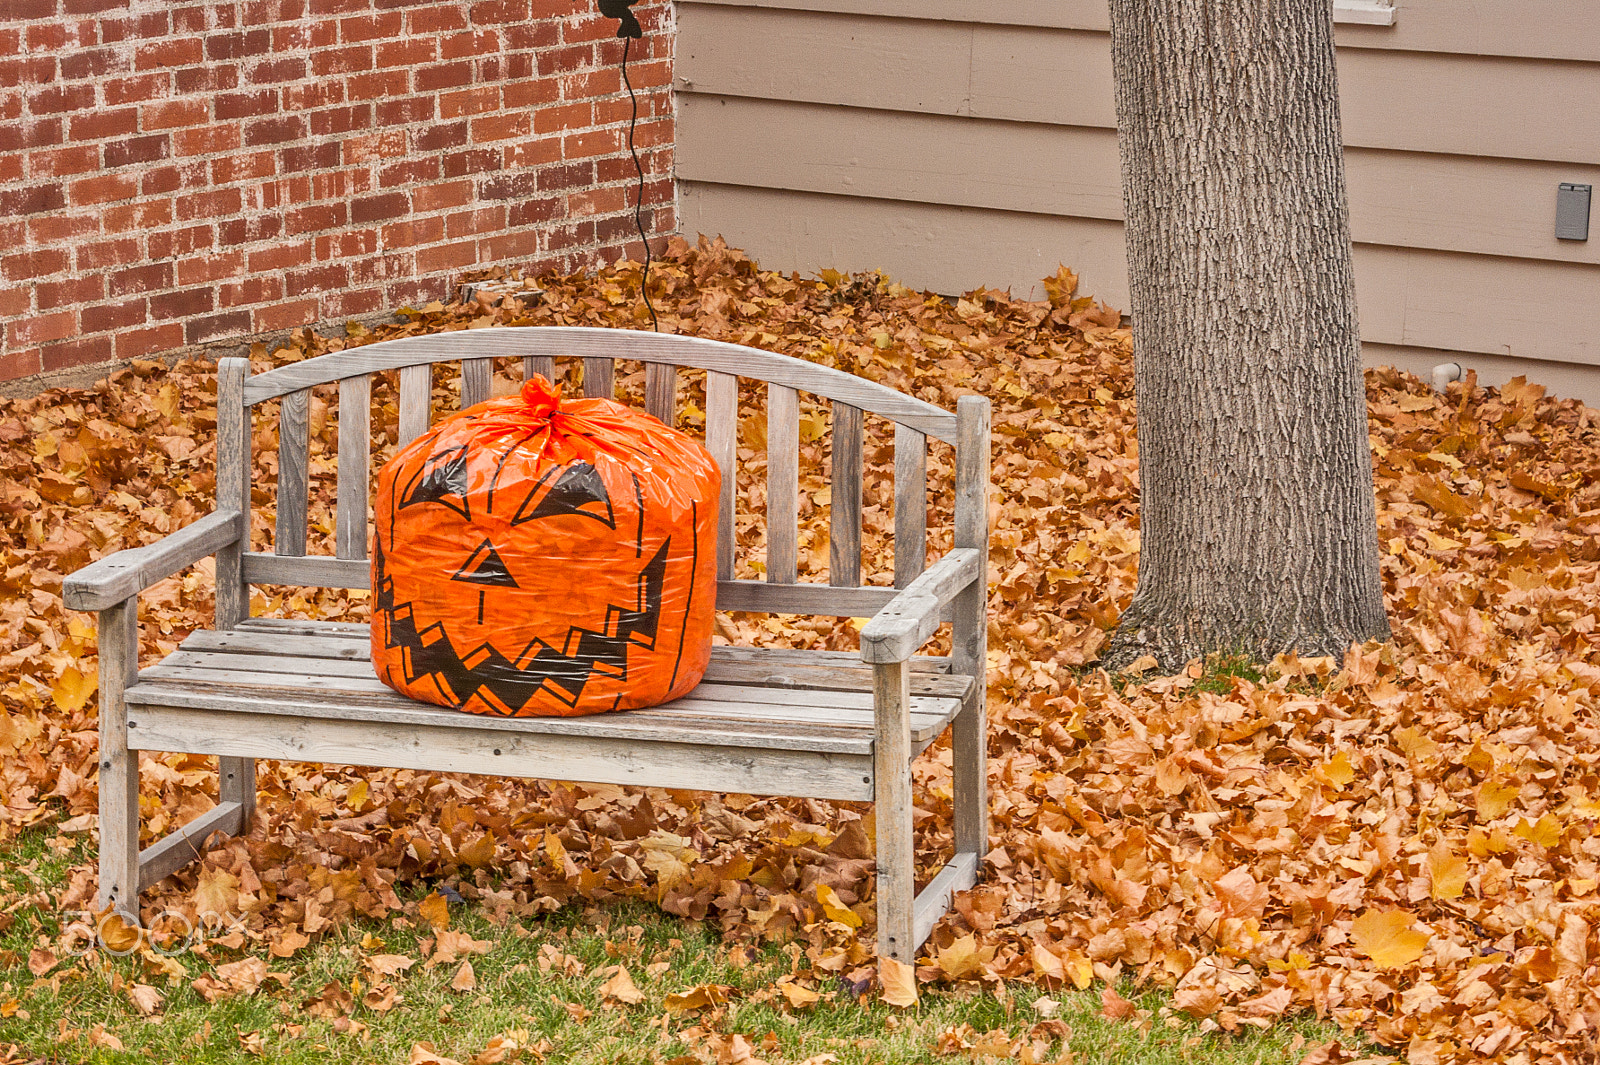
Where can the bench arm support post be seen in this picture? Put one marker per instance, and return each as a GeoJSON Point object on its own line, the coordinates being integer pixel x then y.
{"type": "Point", "coordinates": [910, 618]}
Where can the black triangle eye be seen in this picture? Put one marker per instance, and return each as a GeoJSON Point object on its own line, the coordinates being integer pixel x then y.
{"type": "Point", "coordinates": [578, 487]}
{"type": "Point", "coordinates": [485, 566]}
{"type": "Point", "coordinates": [442, 479]}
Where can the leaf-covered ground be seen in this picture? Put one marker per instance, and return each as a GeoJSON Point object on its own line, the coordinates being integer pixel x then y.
{"type": "Point", "coordinates": [1402, 841]}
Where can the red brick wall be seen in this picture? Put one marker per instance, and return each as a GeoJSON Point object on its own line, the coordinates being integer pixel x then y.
{"type": "Point", "coordinates": [178, 172]}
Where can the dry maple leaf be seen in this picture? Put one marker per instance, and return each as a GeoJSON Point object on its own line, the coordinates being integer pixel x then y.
{"type": "Point", "coordinates": [1388, 937]}
{"type": "Point", "coordinates": [898, 982]}
{"type": "Point", "coordinates": [619, 988]}
{"type": "Point", "coordinates": [465, 979]}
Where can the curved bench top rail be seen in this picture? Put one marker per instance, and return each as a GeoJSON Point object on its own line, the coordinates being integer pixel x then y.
{"type": "Point", "coordinates": [589, 342]}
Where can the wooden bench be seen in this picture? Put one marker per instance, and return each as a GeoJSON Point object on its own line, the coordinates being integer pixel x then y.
{"type": "Point", "coordinates": [828, 725]}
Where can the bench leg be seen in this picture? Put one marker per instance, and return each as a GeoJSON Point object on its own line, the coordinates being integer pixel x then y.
{"type": "Point", "coordinates": [896, 887]}
{"type": "Point", "coordinates": [119, 767]}
{"type": "Point", "coordinates": [236, 783]}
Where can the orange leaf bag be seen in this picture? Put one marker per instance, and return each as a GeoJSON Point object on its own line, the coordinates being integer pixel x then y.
{"type": "Point", "coordinates": [545, 557]}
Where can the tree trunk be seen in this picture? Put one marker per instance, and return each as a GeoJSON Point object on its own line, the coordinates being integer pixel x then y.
{"type": "Point", "coordinates": [1258, 531]}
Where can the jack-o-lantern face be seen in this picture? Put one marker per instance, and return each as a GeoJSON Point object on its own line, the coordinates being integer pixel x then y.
{"type": "Point", "coordinates": [539, 557]}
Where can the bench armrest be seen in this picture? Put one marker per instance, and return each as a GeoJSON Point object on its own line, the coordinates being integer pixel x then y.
{"type": "Point", "coordinates": [125, 574]}
{"type": "Point", "coordinates": [896, 631]}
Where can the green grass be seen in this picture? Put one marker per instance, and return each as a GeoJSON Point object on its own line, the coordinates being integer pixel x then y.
{"type": "Point", "coordinates": [514, 996]}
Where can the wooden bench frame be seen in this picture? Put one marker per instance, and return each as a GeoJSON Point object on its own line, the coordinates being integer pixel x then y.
{"type": "Point", "coordinates": [902, 618]}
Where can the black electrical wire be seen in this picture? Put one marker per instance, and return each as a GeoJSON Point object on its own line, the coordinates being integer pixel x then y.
{"type": "Point", "coordinates": [638, 203]}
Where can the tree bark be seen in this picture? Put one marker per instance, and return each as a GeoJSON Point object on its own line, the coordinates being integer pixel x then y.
{"type": "Point", "coordinates": [1258, 531]}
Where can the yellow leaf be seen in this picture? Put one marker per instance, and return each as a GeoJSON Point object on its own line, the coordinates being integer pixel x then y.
{"type": "Point", "coordinates": [72, 689]}
{"type": "Point", "coordinates": [698, 998]}
{"type": "Point", "coordinates": [797, 996]}
{"type": "Point", "coordinates": [835, 908]}
{"type": "Point", "coordinates": [1388, 938]}
{"type": "Point", "coordinates": [1495, 799]}
{"type": "Point", "coordinates": [435, 909]}
{"type": "Point", "coordinates": [899, 983]}
{"type": "Point", "coordinates": [963, 958]}
{"type": "Point", "coordinates": [1447, 870]}
{"type": "Point", "coordinates": [1337, 770]}
{"type": "Point", "coordinates": [1546, 832]}
{"type": "Point", "coordinates": [285, 945]}
{"type": "Point", "coordinates": [216, 893]}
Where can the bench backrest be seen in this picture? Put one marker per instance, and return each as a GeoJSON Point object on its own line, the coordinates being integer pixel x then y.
{"type": "Point", "coordinates": [663, 354]}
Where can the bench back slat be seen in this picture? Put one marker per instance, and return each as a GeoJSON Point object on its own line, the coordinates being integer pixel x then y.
{"type": "Point", "coordinates": [661, 391]}
{"type": "Point", "coordinates": [599, 378]}
{"type": "Point", "coordinates": [233, 487]}
{"type": "Point", "coordinates": [910, 504]}
{"type": "Point", "coordinates": [543, 365]}
{"type": "Point", "coordinates": [355, 438]}
{"type": "Point", "coordinates": [783, 483]}
{"type": "Point", "coordinates": [476, 378]}
{"type": "Point", "coordinates": [416, 401]}
{"type": "Point", "coordinates": [844, 498]}
{"type": "Point", "coordinates": [722, 440]}
{"type": "Point", "coordinates": [294, 446]}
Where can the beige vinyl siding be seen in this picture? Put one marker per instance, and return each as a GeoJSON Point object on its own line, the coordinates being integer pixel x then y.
{"type": "Point", "coordinates": [955, 144]}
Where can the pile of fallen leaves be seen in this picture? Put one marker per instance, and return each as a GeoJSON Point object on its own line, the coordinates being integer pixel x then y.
{"type": "Point", "coordinates": [1403, 841]}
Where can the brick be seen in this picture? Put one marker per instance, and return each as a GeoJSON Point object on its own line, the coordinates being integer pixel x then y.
{"type": "Point", "coordinates": [405, 111]}
{"type": "Point", "coordinates": [531, 212]}
{"type": "Point", "coordinates": [136, 90]}
{"type": "Point", "coordinates": [136, 150]}
{"type": "Point", "coordinates": [181, 304]}
{"type": "Point", "coordinates": [11, 169]}
{"type": "Point", "coordinates": [235, 231]}
{"type": "Point", "coordinates": [324, 277]}
{"type": "Point", "coordinates": [40, 134]}
{"type": "Point", "coordinates": [566, 60]}
{"type": "Point", "coordinates": [530, 154]}
{"type": "Point", "coordinates": [57, 227]}
{"type": "Point", "coordinates": [469, 45]}
{"type": "Point", "coordinates": [252, 103]}
{"type": "Point", "coordinates": [447, 257]}
{"type": "Point", "coordinates": [279, 257]}
{"type": "Point", "coordinates": [275, 130]}
{"type": "Point", "coordinates": [566, 176]}
{"type": "Point", "coordinates": [408, 172]}
{"type": "Point", "coordinates": [126, 27]}
{"type": "Point", "coordinates": [28, 10]}
{"type": "Point", "coordinates": [84, 351]}
{"type": "Point", "coordinates": [104, 188]}
{"type": "Point", "coordinates": [14, 300]}
{"type": "Point", "coordinates": [508, 186]}
{"type": "Point", "coordinates": [101, 254]}
{"type": "Point", "coordinates": [173, 243]}
{"type": "Point", "coordinates": [526, 36]}
{"type": "Point", "coordinates": [204, 269]}
{"type": "Point", "coordinates": [63, 162]}
{"type": "Point", "coordinates": [412, 233]}
{"type": "Point", "coordinates": [312, 95]}
{"type": "Point", "coordinates": [276, 71]}
{"type": "Point", "coordinates": [27, 70]}
{"type": "Point", "coordinates": [379, 208]}
{"type": "Point", "coordinates": [284, 316]}
{"type": "Point", "coordinates": [41, 328]}
{"type": "Point", "coordinates": [150, 277]}
{"type": "Point", "coordinates": [323, 156]}
{"type": "Point", "coordinates": [216, 327]}
{"type": "Point", "coordinates": [92, 63]}
{"type": "Point", "coordinates": [439, 76]}
{"type": "Point", "coordinates": [591, 143]}
{"type": "Point", "coordinates": [173, 114]}
{"type": "Point", "coordinates": [518, 245]}
{"type": "Point", "coordinates": [491, 11]}
{"type": "Point", "coordinates": [168, 54]}
{"type": "Point", "coordinates": [59, 98]}
{"type": "Point", "coordinates": [561, 118]}
{"type": "Point", "coordinates": [379, 27]}
{"type": "Point", "coordinates": [208, 140]}
{"type": "Point", "coordinates": [378, 85]}
{"type": "Point", "coordinates": [92, 7]}
{"type": "Point", "coordinates": [440, 137]}
{"type": "Point", "coordinates": [347, 303]}
{"type": "Point", "coordinates": [501, 127]}
{"type": "Point", "coordinates": [351, 244]}
{"type": "Point", "coordinates": [50, 295]}
{"type": "Point", "coordinates": [317, 216]}
{"type": "Point", "coordinates": [223, 46]}
{"type": "Point", "coordinates": [211, 78]}
{"type": "Point", "coordinates": [592, 83]}
{"type": "Point", "coordinates": [472, 161]}
{"type": "Point", "coordinates": [136, 343]}
{"type": "Point", "coordinates": [408, 52]}
{"type": "Point", "coordinates": [593, 202]}
{"type": "Point", "coordinates": [336, 120]}
{"type": "Point", "coordinates": [469, 101]}
{"type": "Point", "coordinates": [437, 18]}
{"type": "Point", "coordinates": [214, 203]}
{"type": "Point", "coordinates": [249, 290]}
{"type": "Point", "coordinates": [442, 197]}
{"type": "Point", "coordinates": [104, 317]}
{"type": "Point", "coordinates": [161, 180]}
{"type": "Point", "coordinates": [330, 62]}
{"type": "Point", "coordinates": [381, 268]}
{"type": "Point", "coordinates": [15, 364]}
{"type": "Point", "coordinates": [250, 166]}
{"type": "Point", "coordinates": [473, 223]}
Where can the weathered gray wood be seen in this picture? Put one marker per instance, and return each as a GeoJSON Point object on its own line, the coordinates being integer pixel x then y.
{"type": "Point", "coordinates": [844, 502]}
{"type": "Point", "coordinates": [722, 440]}
{"type": "Point", "coordinates": [350, 641]}
{"type": "Point", "coordinates": [599, 378]}
{"type": "Point", "coordinates": [601, 346]}
{"type": "Point", "coordinates": [294, 444]}
{"type": "Point", "coordinates": [896, 631]}
{"type": "Point", "coordinates": [933, 901]}
{"type": "Point", "coordinates": [118, 637]}
{"type": "Point", "coordinates": [910, 504]}
{"type": "Point", "coordinates": [355, 438]}
{"type": "Point", "coordinates": [783, 483]}
{"type": "Point", "coordinates": [661, 392]}
{"type": "Point", "coordinates": [313, 571]}
{"type": "Point", "coordinates": [416, 401]}
{"type": "Point", "coordinates": [477, 377]}
{"type": "Point", "coordinates": [180, 847]}
{"type": "Point", "coordinates": [118, 576]}
{"type": "Point", "coordinates": [970, 629]}
{"type": "Point", "coordinates": [757, 770]}
{"type": "Point", "coordinates": [543, 365]}
{"type": "Point", "coordinates": [892, 812]}
{"type": "Point", "coordinates": [233, 489]}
